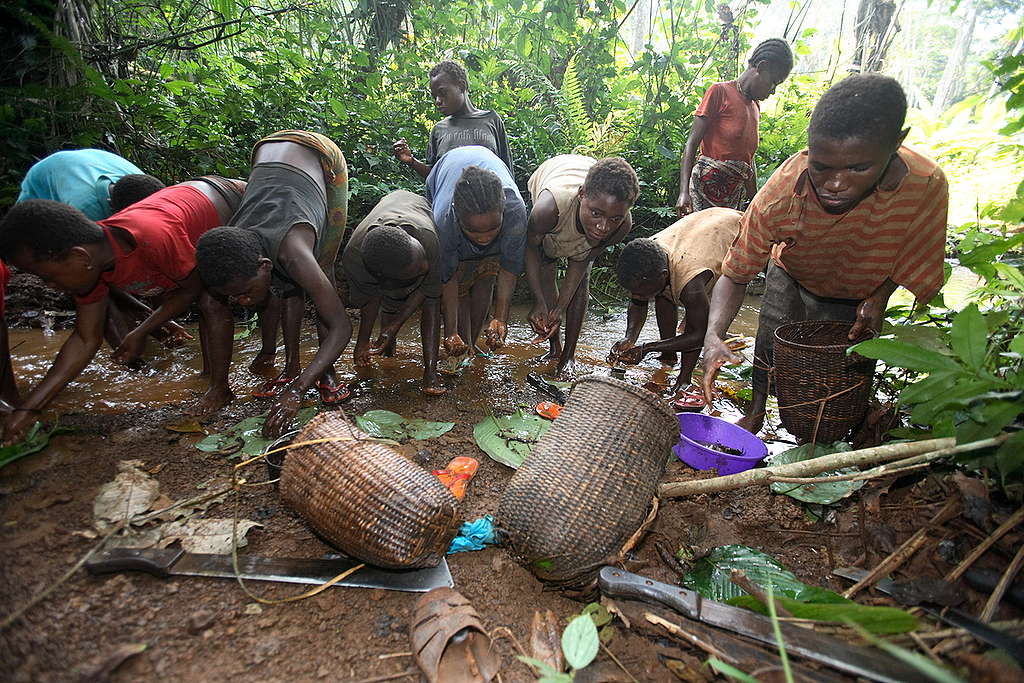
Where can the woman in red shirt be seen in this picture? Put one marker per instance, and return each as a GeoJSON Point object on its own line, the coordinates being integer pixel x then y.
{"type": "Point", "coordinates": [725, 129]}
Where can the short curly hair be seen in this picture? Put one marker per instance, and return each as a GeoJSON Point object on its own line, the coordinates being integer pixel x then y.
{"type": "Point", "coordinates": [388, 249]}
{"type": "Point", "coordinates": [454, 71]}
{"type": "Point", "coordinates": [133, 188]}
{"type": "Point", "coordinates": [862, 106]}
{"type": "Point", "coordinates": [640, 259]}
{"type": "Point", "coordinates": [614, 176]}
{"type": "Point", "coordinates": [776, 52]}
{"type": "Point", "coordinates": [228, 254]}
{"type": "Point", "coordinates": [478, 191]}
{"type": "Point", "coordinates": [48, 229]}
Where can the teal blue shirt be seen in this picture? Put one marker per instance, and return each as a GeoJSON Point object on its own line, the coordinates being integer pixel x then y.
{"type": "Point", "coordinates": [79, 177]}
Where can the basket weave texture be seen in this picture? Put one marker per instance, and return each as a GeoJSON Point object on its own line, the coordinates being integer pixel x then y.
{"type": "Point", "coordinates": [585, 488]}
{"type": "Point", "coordinates": [366, 499]}
{"type": "Point", "coordinates": [811, 364]}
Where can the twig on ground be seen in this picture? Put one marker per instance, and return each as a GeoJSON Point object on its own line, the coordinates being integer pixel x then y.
{"type": "Point", "coordinates": [924, 646]}
{"type": "Point", "coordinates": [689, 637]}
{"type": "Point", "coordinates": [905, 551]}
{"type": "Point", "coordinates": [993, 600]}
{"type": "Point", "coordinates": [1015, 519]}
{"type": "Point", "coordinates": [739, 577]}
{"type": "Point", "coordinates": [617, 662]}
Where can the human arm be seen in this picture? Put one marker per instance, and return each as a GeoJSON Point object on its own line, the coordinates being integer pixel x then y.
{"type": "Point", "coordinates": [367, 318]}
{"type": "Point", "coordinates": [871, 311]}
{"type": "Point", "coordinates": [636, 316]}
{"type": "Point", "coordinates": [453, 344]}
{"type": "Point", "coordinates": [430, 333]}
{"type": "Point", "coordinates": [543, 219]}
{"type": "Point", "coordinates": [726, 299]}
{"type": "Point", "coordinates": [388, 334]}
{"type": "Point", "coordinates": [174, 304]}
{"type": "Point", "coordinates": [74, 355]}
{"type": "Point", "coordinates": [684, 203]}
{"type": "Point", "coordinates": [752, 182]}
{"type": "Point", "coordinates": [695, 302]}
{"type": "Point", "coordinates": [497, 330]}
{"type": "Point", "coordinates": [402, 152]}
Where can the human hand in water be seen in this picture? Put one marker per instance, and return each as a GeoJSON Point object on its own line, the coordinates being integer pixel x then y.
{"type": "Point", "coordinates": [618, 349]}
{"type": "Point", "coordinates": [870, 313]}
{"type": "Point", "coordinates": [454, 346]}
{"type": "Point", "coordinates": [684, 204]}
{"type": "Point", "coordinates": [402, 152]}
{"type": "Point", "coordinates": [554, 321]}
{"type": "Point", "coordinates": [632, 355]}
{"type": "Point", "coordinates": [282, 411]}
{"type": "Point", "coordinates": [173, 335]}
{"type": "Point", "coordinates": [130, 349]}
{"type": "Point", "coordinates": [361, 356]}
{"type": "Point", "coordinates": [494, 335]}
{"type": "Point", "coordinates": [385, 344]}
{"type": "Point", "coordinates": [538, 316]}
{"type": "Point", "coordinates": [716, 354]}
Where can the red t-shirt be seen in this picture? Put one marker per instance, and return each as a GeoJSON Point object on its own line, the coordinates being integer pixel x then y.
{"type": "Point", "coordinates": [166, 226]}
{"type": "Point", "coordinates": [732, 119]}
{"type": "Point", "coordinates": [5, 275]}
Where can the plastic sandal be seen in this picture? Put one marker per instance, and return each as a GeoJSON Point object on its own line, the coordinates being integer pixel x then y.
{"type": "Point", "coordinates": [692, 400]}
{"type": "Point", "coordinates": [548, 409]}
{"type": "Point", "coordinates": [457, 474]}
{"type": "Point", "coordinates": [272, 387]}
{"type": "Point", "coordinates": [449, 641]}
{"type": "Point", "coordinates": [331, 396]}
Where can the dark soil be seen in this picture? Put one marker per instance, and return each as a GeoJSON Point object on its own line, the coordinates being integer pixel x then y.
{"type": "Point", "coordinates": [208, 629]}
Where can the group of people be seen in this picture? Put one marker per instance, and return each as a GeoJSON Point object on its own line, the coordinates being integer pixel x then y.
{"type": "Point", "coordinates": [839, 226]}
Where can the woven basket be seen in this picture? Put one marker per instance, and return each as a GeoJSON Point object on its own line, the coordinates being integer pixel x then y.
{"type": "Point", "coordinates": [585, 488]}
{"type": "Point", "coordinates": [367, 500]}
{"type": "Point", "coordinates": [811, 364]}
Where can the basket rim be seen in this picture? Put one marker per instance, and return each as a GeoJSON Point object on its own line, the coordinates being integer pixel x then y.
{"type": "Point", "coordinates": [814, 347]}
{"type": "Point", "coordinates": [643, 394]}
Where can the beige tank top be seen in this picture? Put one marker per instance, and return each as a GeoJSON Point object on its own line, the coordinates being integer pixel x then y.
{"type": "Point", "coordinates": [563, 177]}
{"type": "Point", "coordinates": [697, 243]}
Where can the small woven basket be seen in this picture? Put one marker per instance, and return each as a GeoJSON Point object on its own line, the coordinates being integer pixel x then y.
{"type": "Point", "coordinates": [812, 368]}
{"type": "Point", "coordinates": [585, 489]}
{"type": "Point", "coordinates": [367, 500]}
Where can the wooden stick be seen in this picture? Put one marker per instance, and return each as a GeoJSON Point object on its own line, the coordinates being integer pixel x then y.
{"type": "Point", "coordinates": [993, 600]}
{"type": "Point", "coordinates": [1015, 519]}
{"type": "Point", "coordinates": [950, 510]}
{"type": "Point", "coordinates": [835, 461]}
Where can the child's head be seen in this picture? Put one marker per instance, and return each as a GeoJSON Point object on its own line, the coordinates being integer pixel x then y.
{"type": "Point", "coordinates": [855, 131]}
{"type": "Point", "coordinates": [394, 257]}
{"type": "Point", "coordinates": [232, 264]}
{"type": "Point", "coordinates": [642, 268]}
{"type": "Point", "coordinates": [607, 194]}
{"type": "Point", "coordinates": [479, 203]}
{"type": "Point", "coordinates": [448, 86]}
{"type": "Point", "coordinates": [53, 241]}
{"type": "Point", "coordinates": [769, 65]}
{"type": "Point", "coordinates": [133, 188]}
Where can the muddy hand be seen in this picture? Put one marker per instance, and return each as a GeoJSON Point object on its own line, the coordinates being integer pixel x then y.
{"type": "Point", "coordinates": [174, 335]}
{"type": "Point", "coordinates": [361, 356]}
{"type": "Point", "coordinates": [618, 349]}
{"type": "Point", "coordinates": [16, 424]}
{"type": "Point", "coordinates": [494, 335]}
{"type": "Point", "coordinates": [632, 355]}
{"type": "Point", "coordinates": [282, 412]}
{"type": "Point", "coordinates": [401, 151]}
{"type": "Point", "coordinates": [716, 354]}
{"type": "Point", "coordinates": [130, 349]}
{"type": "Point", "coordinates": [213, 400]}
{"type": "Point", "coordinates": [537, 319]}
{"type": "Point", "coordinates": [454, 346]}
{"type": "Point", "coordinates": [684, 204]}
{"type": "Point", "coordinates": [869, 319]}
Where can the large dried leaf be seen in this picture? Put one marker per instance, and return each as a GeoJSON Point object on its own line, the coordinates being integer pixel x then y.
{"type": "Point", "coordinates": [132, 492]}
{"type": "Point", "coordinates": [210, 536]}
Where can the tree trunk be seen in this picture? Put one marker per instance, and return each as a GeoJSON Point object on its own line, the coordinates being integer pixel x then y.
{"type": "Point", "coordinates": [951, 81]}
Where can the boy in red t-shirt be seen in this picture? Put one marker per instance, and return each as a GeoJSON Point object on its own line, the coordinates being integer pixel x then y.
{"type": "Point", "coordinates": [725, 129]}
{"type": "Point", "coordinates": [146, 250]}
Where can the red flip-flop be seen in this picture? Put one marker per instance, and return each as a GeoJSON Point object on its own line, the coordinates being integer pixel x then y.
{"type": "Point", "coordinates": [272, 387]}
{"type": "Point", "coordinates": [331, 396]}
{"type": "Point", "coordinates": [691, 401]}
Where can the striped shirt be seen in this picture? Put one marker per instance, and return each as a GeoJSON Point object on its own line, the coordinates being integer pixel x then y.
{"type": "Point", "coordinates": [899, 234]}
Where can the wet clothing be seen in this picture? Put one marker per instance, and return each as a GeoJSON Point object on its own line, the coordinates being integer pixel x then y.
{"type": "Point", "coordinates": [510, 243]}
{"type": "Point", "coordinates": [165, 227]}
{"type": "Point", "coordinates": [484, 128]}
{"type": "Point", "coordinates": [279, 196]}
{"type": "Point", "coordinates": [719, 183]}
{"type": "Point", "coordinates": [897, 234]}
{"type": "Point", "coordinates": [732, 119]}
{"type": "Point", "coordinates": [79, 177]}
{"type": "Point", "coordinates": [695, 244]}
{"type": "Point", "coordinates": [563, 176]}
{"type": "Point", "coordinates": [785, 301]}
{"type": "Point", "coordinates": [411, 213]}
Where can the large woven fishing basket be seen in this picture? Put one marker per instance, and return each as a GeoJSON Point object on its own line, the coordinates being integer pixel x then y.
{"type": "Point", "coordinates": [366, 499]}
{"type": "Point", "coordinates": [823, 391]}
{"type": "Point", "coordinates": [586, 487]}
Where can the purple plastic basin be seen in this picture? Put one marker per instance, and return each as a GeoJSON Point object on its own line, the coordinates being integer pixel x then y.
{"type": "Point", "coordinates": [694, 427]}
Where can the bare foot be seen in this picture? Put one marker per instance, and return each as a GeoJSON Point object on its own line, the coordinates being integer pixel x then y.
{"type": "Point", "coordinates": [433, 390]}
{"type": "Point", "coordinates": [566, 371]}
{"type": "Point", "coordinates": [212, 401]}
{"type": "Point", "coordinates": [553, 353]}
{"type": "Point", "coordinates": [750, 423]}
{"type": "Point", "coordinates": [263, 364]}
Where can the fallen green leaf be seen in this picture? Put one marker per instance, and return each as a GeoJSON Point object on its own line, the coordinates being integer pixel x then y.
{"type": "Point", "coordinates": [385, 424]}
{"type": "Point", "coordinates": [825, 493]}
{"type": "Point", "coordinates": [510, 438]}
{"type": "Point", "coordinates": [246, 437]}
{"type": "Point", "coordinates": [874, 619]}
{"type": "Point", "coordinates": [35, 440]}
{"type": "Point", "coordinates": [580, 641]}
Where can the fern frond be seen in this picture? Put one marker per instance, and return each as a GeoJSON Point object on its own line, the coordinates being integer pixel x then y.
{"type": "Point", "coordinates": [577, 121]}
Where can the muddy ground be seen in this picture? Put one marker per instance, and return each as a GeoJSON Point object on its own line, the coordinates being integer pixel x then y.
{"type": "Point", "coordinates": [207, 629]}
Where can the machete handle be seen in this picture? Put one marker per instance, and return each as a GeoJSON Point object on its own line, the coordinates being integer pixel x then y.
{"type": "Point", "coordinates": [155, 561]}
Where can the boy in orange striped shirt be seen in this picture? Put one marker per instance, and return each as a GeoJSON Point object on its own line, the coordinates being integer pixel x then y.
{"type": "Point", "coordinates": [840, 224]}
